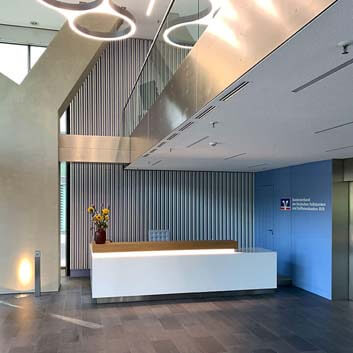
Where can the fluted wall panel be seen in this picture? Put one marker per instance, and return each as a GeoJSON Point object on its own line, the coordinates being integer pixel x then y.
{"type": "Point", "coordinates": [191, 205]}
{"type": "Point", "coordinates": [97, 107]}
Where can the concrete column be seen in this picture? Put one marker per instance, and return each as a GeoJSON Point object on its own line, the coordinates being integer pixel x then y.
{"type": "Point", "coordinates": [29, 166]}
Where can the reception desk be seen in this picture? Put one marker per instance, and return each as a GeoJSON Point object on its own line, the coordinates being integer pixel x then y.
{"type": "Point", "coordinates": [149, 270]}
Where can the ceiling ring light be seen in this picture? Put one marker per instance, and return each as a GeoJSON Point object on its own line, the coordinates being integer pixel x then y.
{"type": "Point", "coordinates": [81, 6]}
{"type": "Point", "coordinates": [201, 18]}
{"type": "Point", "coordinates": [170, 30]}
{"type": "Point", "coordinates": [73, 12]}
{"type": "Point", "coordinates": [120, 12]}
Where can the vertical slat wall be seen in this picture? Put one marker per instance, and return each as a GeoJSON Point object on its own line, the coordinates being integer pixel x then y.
{"type": "Point", "coordinates": [97, 107]}
{"type": "Point", "coordinates": [192, 205]}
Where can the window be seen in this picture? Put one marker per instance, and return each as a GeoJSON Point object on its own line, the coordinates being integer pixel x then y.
{"type": "Point", "coordinates": [36, 53]}
{"type": "Point", "coordinates": [17, 60]}
{"type": "Point", "coordinates": [14, 61]}
{"type": "Point", "coordinates": [63, 124]}
{"type": "Point", "coordinates": [63, 200]}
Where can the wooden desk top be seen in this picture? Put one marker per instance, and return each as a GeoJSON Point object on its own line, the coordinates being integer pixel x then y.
{"type": "Point", "coordinates": [164, 245]}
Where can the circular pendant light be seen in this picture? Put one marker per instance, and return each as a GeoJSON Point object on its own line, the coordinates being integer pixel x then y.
{"type": "Point", "coordinates": [200, 19]}
{"type": "Point", "coordinates": [76, 12]}
{"type": "Point", "coordinates": [80, 6]}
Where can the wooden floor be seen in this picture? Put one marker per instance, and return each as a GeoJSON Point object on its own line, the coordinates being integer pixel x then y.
{"type": "Point", "coordinates": [289, 321]}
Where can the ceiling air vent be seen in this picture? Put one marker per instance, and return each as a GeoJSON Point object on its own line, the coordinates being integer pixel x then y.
{"type": "Point", "coordinates": [339, 149]}
{"type": "Point", "coordinates": [172, 136]}
{"type": "Point", "coordinates": [323, 76]}
{"type": "Point", "coordinates": [333, 127]}
{"type": "Point", "coordinates": [235, 156]}
{"type": "Point", "coordinates": [235, 90]}
{"type": "Point", "coordinates": [186, 126]}
{"type": "Point", "coordinates": [155, 163]}
{"type": "Point", "coordinates": [162, 144]}
{"type": "Point", "coordinates": [202, 115]}
{"type": "Point", "coordinates": [198, 141]}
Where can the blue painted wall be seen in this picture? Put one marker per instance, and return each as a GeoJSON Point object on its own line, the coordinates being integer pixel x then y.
{"type": "Point", "coordinates": [302, 239]}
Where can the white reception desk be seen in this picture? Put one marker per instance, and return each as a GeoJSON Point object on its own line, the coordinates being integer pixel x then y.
{"type": "Point", "coordinates": [124, 275]}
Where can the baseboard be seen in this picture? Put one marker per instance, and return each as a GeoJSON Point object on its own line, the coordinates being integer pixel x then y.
{"type": "Point", "coordinates": [80, 273]}
{"type": "Point", "coordinates": [183, 296]}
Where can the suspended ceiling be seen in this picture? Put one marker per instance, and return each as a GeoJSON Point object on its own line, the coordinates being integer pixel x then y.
{"type": "Point", "coordinates": [265, 124]}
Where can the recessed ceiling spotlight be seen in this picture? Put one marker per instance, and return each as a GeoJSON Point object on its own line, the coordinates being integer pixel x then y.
{"type": "Point", "coordinates": [74, 11]}
{"type": "Point", "coordinates": [213, 144]}
{"type": "Point", "coordinates": [34, 23]}
{"type": "Point", "coordinates": [345, 45]}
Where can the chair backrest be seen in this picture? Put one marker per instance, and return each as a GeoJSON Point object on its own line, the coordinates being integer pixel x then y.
{"type": "Point", "coordinates": [159, 235]}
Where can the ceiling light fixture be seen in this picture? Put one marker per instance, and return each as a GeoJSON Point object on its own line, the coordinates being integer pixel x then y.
{"type": "Point", "coordinates": [198, 141]}
{"type": "Point", "coordinates": [339, 149]}
{"type": "Point", "coordinates": [202, 18]}
{"type": "Point", "coordinates": [257, 165]}
{"type": "Point", "coordinates": [150, 7]}
{"type": "Point", "coordinates": [235, 156]}
{"type": "Point", "coordinates": [155, 163]}
{"type": "Point", "coordinates": [74, 11]}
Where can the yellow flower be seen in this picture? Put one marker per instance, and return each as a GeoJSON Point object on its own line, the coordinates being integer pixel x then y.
{"type": "Point", "coordinates": [106, 218]}
{"type": "Point", "coordinates": [90, 209]}
{"type": "Point", "coordinates": [105, 211]}
{"type": "Point", "coordinates": [99, 218]}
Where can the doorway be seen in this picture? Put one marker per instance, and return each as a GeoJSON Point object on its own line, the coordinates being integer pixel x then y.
{"type": "Point", "coordinates": [265, 222]}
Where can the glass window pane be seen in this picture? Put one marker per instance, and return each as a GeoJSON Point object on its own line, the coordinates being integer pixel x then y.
{"type": "Point", "coordinates": [14, 61]}
{"type": "Point", "coordinates": [36, 53]}
{"type": "Point", "coordinates": [63, 210]}
{"type": "Point", "coordinates": [63, 124]}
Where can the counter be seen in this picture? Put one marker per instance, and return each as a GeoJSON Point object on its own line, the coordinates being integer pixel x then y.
{"type": "Point", "coordinates": [130, 271]}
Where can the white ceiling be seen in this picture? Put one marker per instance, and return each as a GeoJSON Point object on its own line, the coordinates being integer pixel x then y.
{"type": "Point", "coordinates": [23, 12]}
{"type": "Point", "coordinates": [266, 120]}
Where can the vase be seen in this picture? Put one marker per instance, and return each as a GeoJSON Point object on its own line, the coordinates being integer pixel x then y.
{"type": "Point", "coordinates": [100, 236]}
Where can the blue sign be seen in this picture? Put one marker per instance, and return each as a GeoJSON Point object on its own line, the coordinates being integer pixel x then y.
{"type": "Point", "coordinates": [286, 204]}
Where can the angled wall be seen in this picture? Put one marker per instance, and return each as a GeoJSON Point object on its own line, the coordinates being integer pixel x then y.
{"type": "Point", "coordinates": [29, 183]}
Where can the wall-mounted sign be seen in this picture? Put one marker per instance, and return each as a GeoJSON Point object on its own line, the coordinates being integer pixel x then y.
{"type": "Point", "coordinates": [306, 204]}
{"type": "Point", "coordinates": [286, 204]}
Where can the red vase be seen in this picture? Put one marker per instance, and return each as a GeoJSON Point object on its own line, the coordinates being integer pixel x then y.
{"type": "Point", "coordinates": [100, 236]}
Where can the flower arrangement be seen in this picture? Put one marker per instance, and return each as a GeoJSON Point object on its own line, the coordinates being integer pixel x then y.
{"type": "Point", "coordinates": [100, 218]}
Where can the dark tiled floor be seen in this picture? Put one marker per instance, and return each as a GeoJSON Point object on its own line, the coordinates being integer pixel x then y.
{"type": "Point", "coordinates": [289, 321]}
